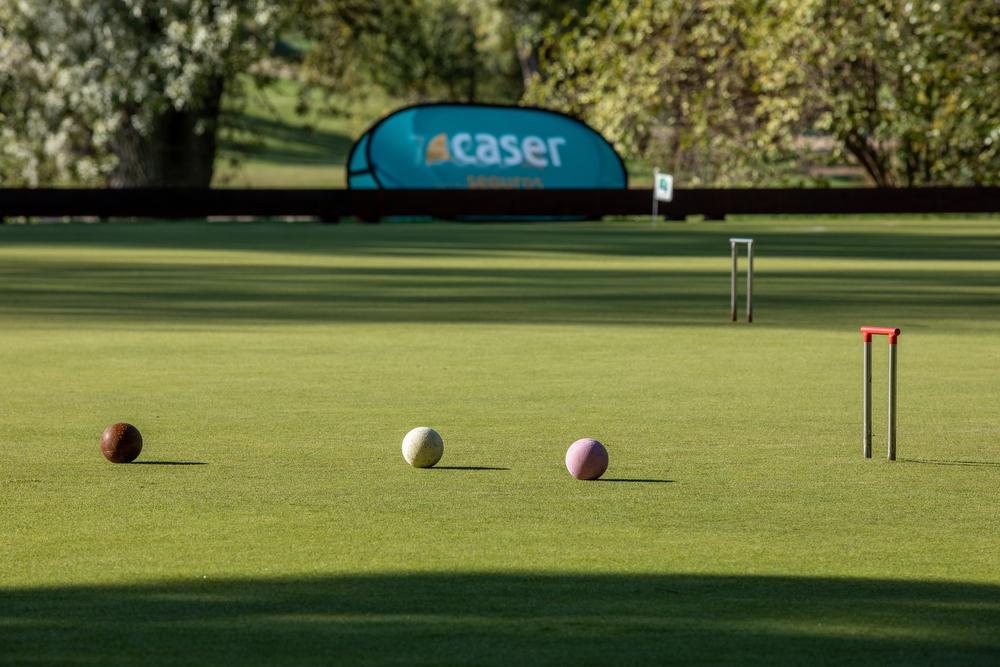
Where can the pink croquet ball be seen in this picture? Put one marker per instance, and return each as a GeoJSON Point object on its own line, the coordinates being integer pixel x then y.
{"type": "Point", "coordinates": [586, 459]}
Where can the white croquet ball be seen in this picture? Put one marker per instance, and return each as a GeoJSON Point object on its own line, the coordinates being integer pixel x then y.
{"type": "Point", "coordinates": [422, 447]}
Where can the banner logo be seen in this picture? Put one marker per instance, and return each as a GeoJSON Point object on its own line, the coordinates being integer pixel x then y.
{"type": "Point", "coordinates": [482, 149]}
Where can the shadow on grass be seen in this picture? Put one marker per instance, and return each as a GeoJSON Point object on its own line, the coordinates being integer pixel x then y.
{"type": "Point", "coordinates": [467, 468]}
{"type": "Point", "coordinates": [268, 140]}
{"type": "Point", "coordinates": [185, 293]}
{"type": "Point", "coordinates": [169, 463]}
{"type": "Point", "coordinates": [379, 287]}
{"type": "Point", "coordinates": [636, 481]}
{"type": "Point", "coordinates": [441, 239]}
{"type": "Point", "coordinates": [953, 463]}
{"type": "Point", "coordinates": [504, 619]}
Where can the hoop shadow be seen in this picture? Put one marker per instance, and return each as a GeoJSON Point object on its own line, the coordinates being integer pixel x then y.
{"type": "Point", "coordinates": [636, 480]}
{"type": "Point", "coordinates": [937, 462]}
{"type": "Point", "coordinates": [467, 468]}
{"type": "Point", "coordinates": [169, 463]}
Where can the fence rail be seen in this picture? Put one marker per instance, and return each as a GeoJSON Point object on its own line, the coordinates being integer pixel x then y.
{"type": "Point", "coordinates": [332, 205]}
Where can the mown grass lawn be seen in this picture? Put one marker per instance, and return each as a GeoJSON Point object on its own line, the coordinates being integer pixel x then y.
{"type": "Point", "coordinates": [274, 369]}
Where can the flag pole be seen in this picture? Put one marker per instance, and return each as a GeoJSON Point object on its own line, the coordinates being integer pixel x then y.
{"type": "Point", "coordinates": [656, 201]}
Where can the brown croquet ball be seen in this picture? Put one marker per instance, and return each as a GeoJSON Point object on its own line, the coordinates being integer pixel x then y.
{"type": "Point", "coordinates": [121, 443]}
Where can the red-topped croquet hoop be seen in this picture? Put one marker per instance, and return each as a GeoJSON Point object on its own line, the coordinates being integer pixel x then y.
{"type": "Point", "coordinates": [866, 337]}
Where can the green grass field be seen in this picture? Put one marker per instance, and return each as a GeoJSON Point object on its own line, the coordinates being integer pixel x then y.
{"type": "Point", "coordinates": [274, 369]}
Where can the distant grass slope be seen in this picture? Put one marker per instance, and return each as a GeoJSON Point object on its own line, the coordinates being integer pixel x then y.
{"type": "Point", "coordinates": [274, 369]}
{"type": "Point", "coordinates": [271, 144]}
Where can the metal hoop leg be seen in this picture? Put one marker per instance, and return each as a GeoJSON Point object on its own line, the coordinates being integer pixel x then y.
{"type": "Point", "coordinates": [866, 441]}
{"type": "Point", "coordinates": [732, 284]}
{"type": "Point", "coordinates": [892, 403]}
{"type": "Point", "coordinates": [734, 276]}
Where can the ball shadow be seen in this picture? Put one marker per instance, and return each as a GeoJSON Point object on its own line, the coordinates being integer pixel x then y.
{"type": "Point", "coordinates": [169, 463]}
{"type": "Point", "coordinates": [636, 480]}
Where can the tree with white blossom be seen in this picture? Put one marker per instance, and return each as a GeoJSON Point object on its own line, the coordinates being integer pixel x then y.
{"type": "Point", "coordinates": [121, 92]}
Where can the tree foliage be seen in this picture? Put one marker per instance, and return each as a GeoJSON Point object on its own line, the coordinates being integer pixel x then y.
{"type": "Point", "coordinates": [685, 83]}
{"type": "Point", "coordinates": [911, 88]}
{"type": "Point", "coordinates": [526, 21]}
{"type": "Point", "coordinates": [722, 91]}
{"type": "Point", "coordinates": [421, 49]}
{"type": "Point", "coordinates": [125, 91]}
{"type": "Point", "coordinates": [462, 50]}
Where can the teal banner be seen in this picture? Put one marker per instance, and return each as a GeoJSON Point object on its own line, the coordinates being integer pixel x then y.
{"type": "Point", "coordinates": [469, 146]}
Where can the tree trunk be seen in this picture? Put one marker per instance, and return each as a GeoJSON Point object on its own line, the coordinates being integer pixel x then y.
{"type": "Point", "coordinates": [178, 152]}
{"type": "Point", "coordinates": [473, 58]}
{"type": "Point", "coordinates": [874, 161]}
{"type": "Point", "coordinates": [527, 58]}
